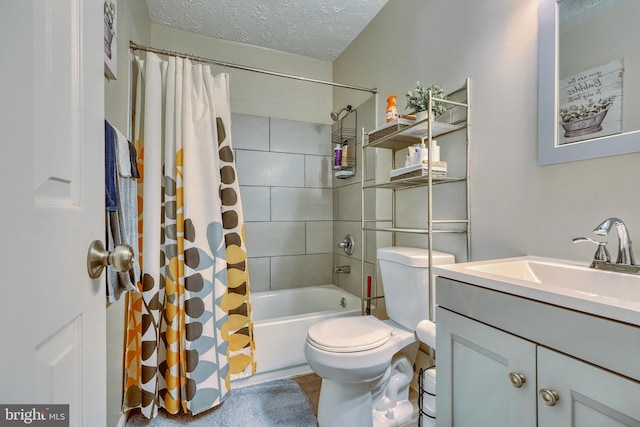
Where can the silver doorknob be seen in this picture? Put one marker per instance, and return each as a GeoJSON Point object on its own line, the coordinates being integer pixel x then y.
{"type": "Point", "coordinates": [517, 379]}
{"type": "Point", "coordinates": [98, 258]}
{"type": "Point", "coordinates": [549, 397]}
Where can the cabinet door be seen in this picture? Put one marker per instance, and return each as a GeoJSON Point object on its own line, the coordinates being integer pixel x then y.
{"type": "Point", "coordinates": [474, 363]}
{"type": "Point", "coordinates": [588, 396]}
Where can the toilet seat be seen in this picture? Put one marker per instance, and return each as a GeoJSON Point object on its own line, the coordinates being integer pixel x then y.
{"type": "Point", "coordinates": [349, 334]}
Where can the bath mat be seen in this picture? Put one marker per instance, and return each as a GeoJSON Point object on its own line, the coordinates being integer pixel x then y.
{"type": "Point", "coordinates": [274, 403]}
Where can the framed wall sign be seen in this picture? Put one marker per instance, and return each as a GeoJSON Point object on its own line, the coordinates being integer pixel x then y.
{"type": "Point", "coordinates": [588, 80]}
{"type": "Point", "coordinates": [110, 45]}
{"type": "Point", "coordinates": [590, 103]}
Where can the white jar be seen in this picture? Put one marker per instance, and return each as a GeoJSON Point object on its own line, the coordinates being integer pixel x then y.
{"type": "Point", "coordinates": [414, 155]}
{"type": "Point", "coordinates": [424, 154]}
{"type": "Point", "coordinates": [436, 151]}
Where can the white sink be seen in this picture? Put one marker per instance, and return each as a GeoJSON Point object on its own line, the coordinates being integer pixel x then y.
{"type": "Point", "coordinates": [565, 283]}
{"type": "Point", "coordinates": [577, 278]}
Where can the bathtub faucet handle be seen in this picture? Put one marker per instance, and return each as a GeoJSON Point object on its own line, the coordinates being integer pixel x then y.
{"type": "Point", "coordinates": [348, 244]}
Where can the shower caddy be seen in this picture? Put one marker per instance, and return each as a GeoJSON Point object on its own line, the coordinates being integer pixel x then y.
{"type": "Point", "coordinates": [399, 136]}
{"type": "Point", "coordinates": [345, 136]}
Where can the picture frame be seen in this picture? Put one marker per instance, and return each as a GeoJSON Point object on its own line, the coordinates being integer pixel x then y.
{"type": "Point", "coordinates": [110, 39]}
{"type": "Point", "coordinates": [550, 149]}
{"type": "Point", "coordinates": [590, 103]}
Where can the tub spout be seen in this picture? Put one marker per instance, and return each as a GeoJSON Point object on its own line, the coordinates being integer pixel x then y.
{"type": "Point", "coordinates": [342, 269]}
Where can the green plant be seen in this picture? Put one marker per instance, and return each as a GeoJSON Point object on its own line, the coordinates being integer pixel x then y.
{"type": "Point", "coordinates": [575, 112]}
{"type": "Point", "coordinates": [419, 99]}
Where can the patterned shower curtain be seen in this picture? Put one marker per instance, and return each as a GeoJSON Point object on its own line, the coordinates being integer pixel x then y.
{"type": "Point", "coordinates": [189, 331]}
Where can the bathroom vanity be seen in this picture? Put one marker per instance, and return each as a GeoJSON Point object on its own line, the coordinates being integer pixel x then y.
{"type": "Point", "coordinates": [536, 342]}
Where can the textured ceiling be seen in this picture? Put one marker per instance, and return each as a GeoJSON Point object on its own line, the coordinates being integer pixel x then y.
{"type": "Point", "coordinates": [320, 29]}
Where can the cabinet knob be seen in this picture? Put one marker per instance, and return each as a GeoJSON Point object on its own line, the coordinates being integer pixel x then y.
{"type": "Point", "coordinates": [549, 397]}
{"type": "Point", "coordinates": [517, 379]}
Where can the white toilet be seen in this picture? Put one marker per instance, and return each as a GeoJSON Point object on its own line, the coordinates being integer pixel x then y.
{"type": "Point", "coordinates": [366, 364]}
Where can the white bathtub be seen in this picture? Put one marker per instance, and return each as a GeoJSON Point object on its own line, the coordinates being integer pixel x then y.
{"type": "Point", "coordinates": [281, 320]}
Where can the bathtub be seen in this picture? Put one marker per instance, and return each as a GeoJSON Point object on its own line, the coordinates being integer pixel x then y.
{"type": "Point", "coordinates": [281, 320]}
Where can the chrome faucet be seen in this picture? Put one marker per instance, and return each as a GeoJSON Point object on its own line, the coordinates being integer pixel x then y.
{"type": "Point", "coordinates": [625, 261]}
{"type": "Point", "coordinates": [625, 252]}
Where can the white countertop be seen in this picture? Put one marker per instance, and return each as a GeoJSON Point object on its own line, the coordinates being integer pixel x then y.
{"type": "Point", "coordinates": [562, 283]}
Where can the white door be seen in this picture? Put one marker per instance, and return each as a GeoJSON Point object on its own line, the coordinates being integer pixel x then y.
{"type": "Point", "coordinates": [486, 377]}
{"type": "Point", "coordinates": [587, 395]}
{"type": "Point", "coordinates": [52, 315]}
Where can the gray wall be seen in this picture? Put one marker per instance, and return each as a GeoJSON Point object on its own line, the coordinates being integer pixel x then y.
{"type": "Point", "coordinates": [284, 171]}
{"type": "Point", "coordinates": [518, 207]}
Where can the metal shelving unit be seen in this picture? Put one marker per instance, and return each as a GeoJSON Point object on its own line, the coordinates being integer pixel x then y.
{"type": "Point", "coordinates": [402, 135]}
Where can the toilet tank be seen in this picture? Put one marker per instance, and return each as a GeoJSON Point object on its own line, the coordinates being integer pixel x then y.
{"type": "Point", "coordinates": [405, 280]}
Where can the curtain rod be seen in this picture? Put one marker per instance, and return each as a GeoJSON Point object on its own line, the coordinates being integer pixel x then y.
{"type": "Point", "coordinates": [135, 46]}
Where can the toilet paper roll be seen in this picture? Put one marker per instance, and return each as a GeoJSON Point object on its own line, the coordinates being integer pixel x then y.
{"type": "Point", "coordinates": [429, 381]}
{"type": "Point", "coordinates": [429, 404]}
{"type": "Point", "coordinates": [426, 331]}
{"type": "Point", "coordinates": [428, 421]}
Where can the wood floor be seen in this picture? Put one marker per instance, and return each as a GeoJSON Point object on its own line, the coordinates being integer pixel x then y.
{"type": "Point", "coordinates": [310, 384]}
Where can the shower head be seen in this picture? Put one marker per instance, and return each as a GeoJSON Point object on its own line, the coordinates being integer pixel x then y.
{"type": "Point", "coordinates": [334, 116]}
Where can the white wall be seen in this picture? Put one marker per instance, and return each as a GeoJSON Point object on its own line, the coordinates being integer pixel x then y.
{"type": "Point", "coordinates": [517, 206]}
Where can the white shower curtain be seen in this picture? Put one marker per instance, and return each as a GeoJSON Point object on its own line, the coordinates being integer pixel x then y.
{"type": "Point", "coordinates": [189, 332]}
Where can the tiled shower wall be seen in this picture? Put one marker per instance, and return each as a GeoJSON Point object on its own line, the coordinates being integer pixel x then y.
{"type": "Point", "coordinates": [284, 171]}
{"type": "Point", "coordinates": [347, 206]}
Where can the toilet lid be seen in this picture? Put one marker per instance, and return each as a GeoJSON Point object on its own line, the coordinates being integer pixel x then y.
{"type": "Point", "coordinates": [349, 334]}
